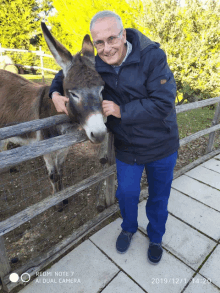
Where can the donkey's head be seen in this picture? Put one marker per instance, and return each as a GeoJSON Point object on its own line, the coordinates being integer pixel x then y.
{"type": "Point", "coordinates": [82, 85]}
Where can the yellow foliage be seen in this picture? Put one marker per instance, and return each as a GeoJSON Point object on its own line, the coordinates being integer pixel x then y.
{"type": "Point", "coordinates": [74, 18]}
{"type": "Point", "coordinates": [189, 35]}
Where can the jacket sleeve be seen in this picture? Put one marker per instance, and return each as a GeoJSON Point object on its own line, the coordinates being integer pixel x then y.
{"type": "Point", "coordinates": [107, 96]}
{"type": "Point", "coordinates": [57, 84]}
{"type": "Point", "coordinates": [161, 94]}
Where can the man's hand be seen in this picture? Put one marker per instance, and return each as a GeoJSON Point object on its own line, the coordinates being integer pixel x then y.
{"type": "Point", "coordinates": [110, 108]}
{"type": "Point", "coordinates": [60, 103]}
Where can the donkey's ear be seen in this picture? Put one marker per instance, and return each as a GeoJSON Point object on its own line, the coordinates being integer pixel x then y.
{"type": "Point", "coordinates": [87, 47]}
{"type": "Point", "coordinates": [60, 53]}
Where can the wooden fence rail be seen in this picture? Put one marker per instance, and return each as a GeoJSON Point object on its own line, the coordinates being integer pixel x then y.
{"type": "Point", "coordinates": [21, 154]}
{"type": "Point", "coordinates": [18, 155]}
{"type": "Point", "coordinates": [32, 125]}
{"type": "Point", "coordinates": [38, 124]}
{"type": "Point", "coordinates": [39, 53]}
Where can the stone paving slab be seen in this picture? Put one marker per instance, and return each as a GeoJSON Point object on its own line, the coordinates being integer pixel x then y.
{"type": "Point", "coordinates": [200, 191]}
{"type": "Point", "coordinates": [201, 285]}
{"type": "Point", "coordinates": [195, 213]}
{"type": "Point", "coordinates": [212, 164]}
{"type": "Point", "coordinates": [88, 269]}
{"type": "Point", "coordinates": [122, 284]}
{"type": "Point", "coordinates": [88, 264]}
{"type": "Point", "coordinates": [211, 269]}
{"type": "Point", "coordinates": [183, 241]}
{"type": "Point", "coordinates": [134, 261]}
{"type": "Point", "coordinates": [205, 175]}
{"type": "Point", "coordinates": [217, 157]}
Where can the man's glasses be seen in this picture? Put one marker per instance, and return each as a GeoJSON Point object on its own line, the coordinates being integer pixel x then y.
{"type": "Point", "coordinates": [110, 41]}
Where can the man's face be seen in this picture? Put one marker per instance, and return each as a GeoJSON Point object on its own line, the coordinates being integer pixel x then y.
{"type": "Point", "coordinates": [101, 31]}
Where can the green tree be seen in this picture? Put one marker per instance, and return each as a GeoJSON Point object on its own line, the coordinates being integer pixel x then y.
{"type": "Point", "coordinates": [20, 27]}
{"type": "Point", "coordinates": [190, 36]}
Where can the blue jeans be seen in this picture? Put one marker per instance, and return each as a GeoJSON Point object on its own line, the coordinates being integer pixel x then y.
{"type": "Point", "coordinates": [159, 177]}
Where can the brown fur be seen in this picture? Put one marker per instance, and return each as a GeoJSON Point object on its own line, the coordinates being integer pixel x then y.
{"type": "Point", "coordinates": [83, 73]}
{"type": "Point", "coordinates": [16, 94]}
{"type": "Point", "coordinates": [22, 100]}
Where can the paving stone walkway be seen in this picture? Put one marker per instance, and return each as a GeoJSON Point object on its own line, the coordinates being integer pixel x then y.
{"type": "Point", "coordinates": [192, 239]}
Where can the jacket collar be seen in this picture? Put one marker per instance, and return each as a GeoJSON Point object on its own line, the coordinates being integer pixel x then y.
{"type": "Point", "coordinates": [139, 42]}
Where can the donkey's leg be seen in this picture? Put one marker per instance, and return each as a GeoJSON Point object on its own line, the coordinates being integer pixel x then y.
{"type": "Point", "coordinates": [54, 177]}
{"type": "Point", "coordinates": [3, 147]}
{"type": "Point", "coordinates": [60, 159]}
{"type": "Point", "coordinates": [50, 164]}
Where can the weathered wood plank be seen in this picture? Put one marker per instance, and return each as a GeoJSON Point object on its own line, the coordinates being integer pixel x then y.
{"type": "Point", "coordinates": [198, 134]}
{"type": "Point", "coordinates": [38, 124]}
{"type": "Point", "coordinates": [18, 155]}
{"type": "Point", "coordinates": [33, 125]}
{"type": "Point", "coordinates": [24, 153]}
{"type": "Point", "coordinates": [36, 209]}
{"type": "Point", "coordinates": [24, 216]}
{"type": "Point", "coordinates": [37, 264]}
{"type": "Point", "coordinates": [195, 163]}
{"type": "Point", "coordinates": [212, 134]}
{"type": "Point", "coordinates": [4, 263]}
{"type": "Point", "coordinates": [101, 190]}
{"type": "Point", "coordinates": [110, 181]}
{"type": "Point", "coordinates": [196, 105]}
{"type": "Point", "coordinates": [103, 157]}
{"type": "Point", "coordinates": [100, 194]}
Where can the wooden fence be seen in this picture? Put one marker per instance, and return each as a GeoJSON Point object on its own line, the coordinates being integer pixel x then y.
{"type": "Point", "coordinates": [12, 157]}
{"type": "Point", "coordinates": [39, 53]}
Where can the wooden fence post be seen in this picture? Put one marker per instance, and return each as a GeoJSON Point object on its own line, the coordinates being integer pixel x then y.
{"type": "Point", "coordinates": [4, 263]}
{"type": "Point", "coordinates": [212, 134]}
{"type": "Point", "coordinates": [101, 188]}
{"type": "Point", "coordinates": [110, 181]}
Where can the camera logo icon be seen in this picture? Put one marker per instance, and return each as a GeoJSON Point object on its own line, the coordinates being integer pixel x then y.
{"type": "Point", "coordinates": [14, 277]}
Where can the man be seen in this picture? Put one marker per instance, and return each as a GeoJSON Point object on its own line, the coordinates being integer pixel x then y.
{"type": "Point", "coordinates": [139, 103]}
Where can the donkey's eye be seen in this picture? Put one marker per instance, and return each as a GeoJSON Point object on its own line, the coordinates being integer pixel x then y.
{"type": "Point", "coordinates": [74, 96]}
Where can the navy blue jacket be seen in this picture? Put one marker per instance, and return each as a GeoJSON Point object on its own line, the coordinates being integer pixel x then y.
{"type": "Point", "coordinates": [145, 90]}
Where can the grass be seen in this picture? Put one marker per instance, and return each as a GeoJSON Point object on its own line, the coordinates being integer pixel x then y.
{"type": "Point", "coordinates": [38, 78]}
{"type": "Point", "coordinates": [188, 122]}
{"type": "Point", "coordinates": [194, 120]}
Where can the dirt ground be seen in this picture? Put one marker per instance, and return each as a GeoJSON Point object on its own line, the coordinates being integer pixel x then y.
{"type": "Point", "coordinates": [28, 183]}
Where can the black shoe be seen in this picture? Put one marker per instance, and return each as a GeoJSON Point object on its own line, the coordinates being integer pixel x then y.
{"type": "Point", "coordinates": [155, 252]}
{"type": "Point", "coordinates": [123, 241]}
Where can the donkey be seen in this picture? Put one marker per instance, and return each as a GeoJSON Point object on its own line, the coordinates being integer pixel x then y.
{"type": "Point", "coordinates": [22, 100]}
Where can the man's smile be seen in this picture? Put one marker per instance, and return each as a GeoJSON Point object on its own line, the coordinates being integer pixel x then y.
{"type": "Point", "coordinates": [110, 55]}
